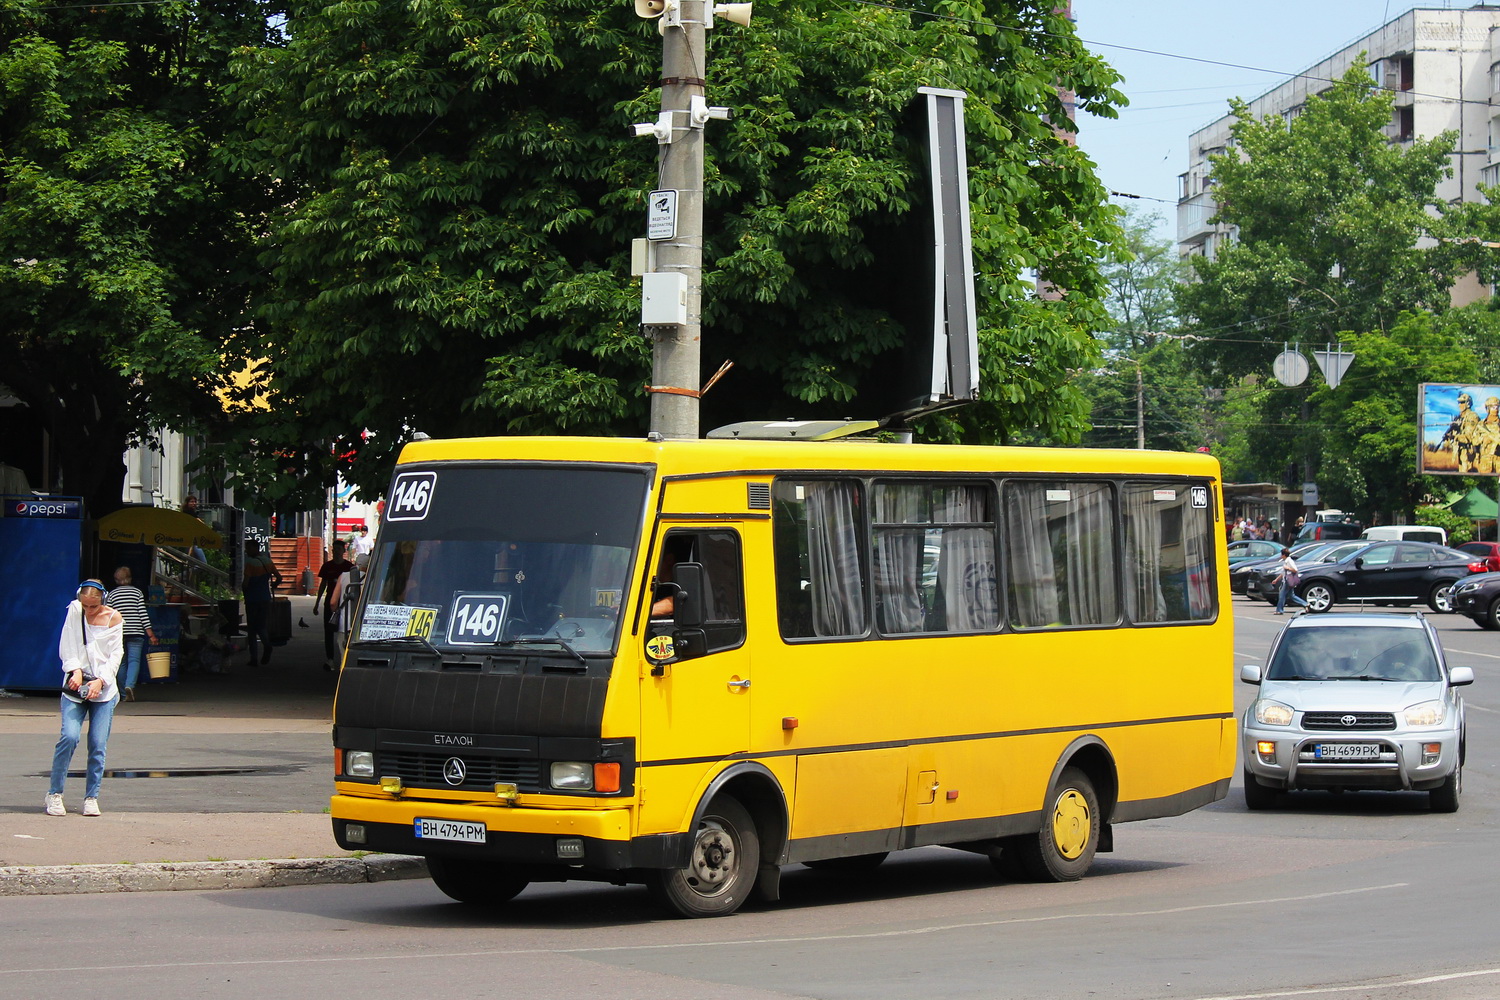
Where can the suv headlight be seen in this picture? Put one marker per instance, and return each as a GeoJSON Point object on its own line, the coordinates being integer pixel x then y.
{"type": "Point", "coordinates": [1466, 586]}
{"type": "Point", "coordinates": [1272, 713]}
{"type": "Point", "coordinates": [1428, 713]}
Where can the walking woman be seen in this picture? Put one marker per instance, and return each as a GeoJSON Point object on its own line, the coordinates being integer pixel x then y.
{"type": "Point", "coordinates": [91, 646]}
{"type": "Point", "coordinates": [131, 603]}
{"type": "Point", "coordinates": [1288, 579]}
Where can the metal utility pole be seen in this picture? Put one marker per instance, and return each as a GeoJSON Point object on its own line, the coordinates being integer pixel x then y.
{"type": "Point", "coordinates": [672, 282]}
{"type": "Point", "coordinates": [676, 349]}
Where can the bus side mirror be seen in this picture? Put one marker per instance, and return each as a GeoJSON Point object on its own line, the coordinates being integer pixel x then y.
{"type": "Point", "coordinates": [687, 610]}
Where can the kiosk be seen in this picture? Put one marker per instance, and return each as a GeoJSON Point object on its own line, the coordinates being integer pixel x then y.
{"type": "Point", "coordinates": [41, 562]}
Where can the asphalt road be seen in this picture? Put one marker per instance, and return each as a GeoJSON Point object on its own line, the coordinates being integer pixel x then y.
{"type": "Point", "coordinates": [1358, 895]}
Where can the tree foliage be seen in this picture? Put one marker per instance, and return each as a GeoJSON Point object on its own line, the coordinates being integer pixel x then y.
{"type": "Point", "coordinates": [121, 249]}
{"type": "Point", "coordinates": [458, 195]}
{"type": "Point", "coordinates": [1329, 215]}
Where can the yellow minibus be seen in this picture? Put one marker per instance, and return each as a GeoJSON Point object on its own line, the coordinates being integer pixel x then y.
{"type": "Point", "coordinates": [692, 663]}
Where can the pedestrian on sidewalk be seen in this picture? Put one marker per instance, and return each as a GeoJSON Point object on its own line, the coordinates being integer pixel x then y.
{"type": "Point", "coordinates": [131, 603]}
{"type": "Point", "coordinates": [1288, 578]}
{"type": "Point", "coordinates": [91, 646]}
{"type": "Point", "coordinates": [261, 577]}
{"type": "Point", "coordinates": [330, 574]}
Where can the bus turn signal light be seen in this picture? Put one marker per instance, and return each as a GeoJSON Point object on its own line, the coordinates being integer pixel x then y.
{"type": "Point", "coordinates": [607, 777]}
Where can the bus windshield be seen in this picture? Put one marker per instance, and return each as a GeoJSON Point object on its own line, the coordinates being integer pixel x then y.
{"type": "Point", "coordinates": [505, 555]}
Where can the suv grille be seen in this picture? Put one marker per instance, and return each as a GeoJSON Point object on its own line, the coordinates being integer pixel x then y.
{"type": "Point", "coordinates": [1335, 721]}
{"type": "Point", "coordinates": [482, 772]}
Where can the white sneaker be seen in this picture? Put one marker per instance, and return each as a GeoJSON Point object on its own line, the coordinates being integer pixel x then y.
{"type": "Point", "coordinates": [55, 805]}
{"type": "Point", "coordinates": [91, 807]}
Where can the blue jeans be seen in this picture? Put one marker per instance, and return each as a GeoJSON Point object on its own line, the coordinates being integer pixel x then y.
{"type": "Point", "coordinates": [100, 716]}
{"type": "Point", "coordinates": [1287, 592]}
{"type": "Point", "coordinates": [135, 648]}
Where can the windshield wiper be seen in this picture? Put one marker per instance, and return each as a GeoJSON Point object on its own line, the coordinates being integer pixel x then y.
{"type": "Point", "coordinates": [547, 638]}
{"type": "Point", "coordinates": [402, 638]}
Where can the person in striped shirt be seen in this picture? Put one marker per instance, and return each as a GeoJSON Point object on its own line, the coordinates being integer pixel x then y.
{"type": "Point", "coordinates": [131, 603]}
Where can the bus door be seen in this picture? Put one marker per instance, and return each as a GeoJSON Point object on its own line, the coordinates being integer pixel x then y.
{"type": "Point", "coordinates": [695, 681]}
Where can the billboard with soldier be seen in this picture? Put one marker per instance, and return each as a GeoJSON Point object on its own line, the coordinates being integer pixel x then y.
{"type": "Point", "coordinates": [1458, 429]}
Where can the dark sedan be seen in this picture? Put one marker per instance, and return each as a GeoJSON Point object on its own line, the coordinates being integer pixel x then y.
{"type": "Point", "coordinates": [1478, 597]}
{"type": "Point", "coordinates": [1257, 582]}
{"type": "Point", "coordinates": [1384, 573]}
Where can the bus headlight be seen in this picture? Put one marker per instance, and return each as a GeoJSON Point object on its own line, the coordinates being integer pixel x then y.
{"type": "Point", "coordinates": [573, 776]}
{"type": "Point", "coordinates": [359, 763]}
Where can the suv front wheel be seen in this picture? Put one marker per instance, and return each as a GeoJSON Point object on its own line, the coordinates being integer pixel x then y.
{"type": "Point", "coordinates": [1319, 596]}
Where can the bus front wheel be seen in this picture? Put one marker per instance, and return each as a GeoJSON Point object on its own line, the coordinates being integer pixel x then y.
{"type": "Point", "coordinates": [721, 869]}
{"type": "Point", "coordinates": [1064, 847]}
{"type": "Point", "coordinates": [481, 883]}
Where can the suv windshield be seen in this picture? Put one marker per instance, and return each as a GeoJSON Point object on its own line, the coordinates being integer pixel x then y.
{"type": "Point", "coordinates": [505, 555]}
{"type": "Point", "coordinates": [1357, 653]}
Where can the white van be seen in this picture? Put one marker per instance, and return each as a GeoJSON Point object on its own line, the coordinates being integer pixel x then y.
{"type": "Point", "coordinates": [1408, 532]}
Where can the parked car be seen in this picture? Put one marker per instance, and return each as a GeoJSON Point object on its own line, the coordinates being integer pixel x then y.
{"type": "Point", "coordinates": [1488, 551]}
{"type": "Point", "coordinates": [1328, 531]}
{"type": "Point", "coordinates": [1478, 597]}
{"type": "Point", "coordinates": [1250, 549]}
{"type": "Point", "coordinates": [1407, 532]}
{"type": "Point", "coordinates": [1258, 583]}
{"type": "Point", "coordinates": [1386, 573]}
{"type": "Point", "coordinates": [1360, 701]}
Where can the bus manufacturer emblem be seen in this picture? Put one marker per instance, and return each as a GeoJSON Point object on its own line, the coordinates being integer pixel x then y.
{"type": "Point", "coordinates": [454, 771]}
{"type": "Point", "coordinates": [660, 647]}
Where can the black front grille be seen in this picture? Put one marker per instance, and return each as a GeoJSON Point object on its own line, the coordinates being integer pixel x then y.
{"type": "Point", "coordinates": [481, 772]}
{"type": "Point", "coordinates": [1338, 721]}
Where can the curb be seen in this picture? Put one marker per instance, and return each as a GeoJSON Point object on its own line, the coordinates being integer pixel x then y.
{"type": "Point", "coordinates": [168, 876]}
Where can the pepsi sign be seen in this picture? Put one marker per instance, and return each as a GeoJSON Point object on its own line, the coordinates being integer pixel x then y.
{"type": "Point", "coordinates": [60, 508]}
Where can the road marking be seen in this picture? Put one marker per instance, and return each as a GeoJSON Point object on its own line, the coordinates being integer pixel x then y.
{"type": "Point", "coordinates": [725, 942]}
{"type": "Point", "coordinates": [1423, 981]}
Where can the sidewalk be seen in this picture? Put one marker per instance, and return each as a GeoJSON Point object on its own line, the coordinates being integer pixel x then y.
{"type": "Point", "coordinates": [213, 781]}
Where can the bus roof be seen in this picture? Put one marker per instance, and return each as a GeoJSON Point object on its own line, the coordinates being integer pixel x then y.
{"type": "Point", "coordinates": [730, 455]}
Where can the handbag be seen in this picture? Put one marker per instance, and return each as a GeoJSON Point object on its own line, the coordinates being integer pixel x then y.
{"type": "Point", "coordinates": [74, 696]}
{"type": "Point", "coordinates": [1293, 578]}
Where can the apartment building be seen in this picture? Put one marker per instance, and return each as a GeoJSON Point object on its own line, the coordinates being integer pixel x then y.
{"type": "Point", "coordinates": [1444, 68]}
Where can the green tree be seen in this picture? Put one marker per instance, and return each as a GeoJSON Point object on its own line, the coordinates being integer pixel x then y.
{"type": "Point", "coordinates": [121, 249]}
{"type": "Point", "coordinates": [1367, 427]}
{"type": "Point", "coordinates": [1329, 215]}
{"type": "Point", "coordinates": [1142, 277]}
{"type": "Point", "coordinates": [459, 196]}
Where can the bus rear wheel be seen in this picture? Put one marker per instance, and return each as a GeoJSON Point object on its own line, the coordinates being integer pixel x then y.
{"type": "Point", "coordinates": [721, 869]}
{"type": "Point", "coordinates": [1064, 847]}
{"type": "Point", "coordinates": [480, 883]}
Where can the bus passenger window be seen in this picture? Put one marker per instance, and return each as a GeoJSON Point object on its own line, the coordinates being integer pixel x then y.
{"type": "Point", "coordinates": [934, 558]}
{"type": "Point", "coordinates": [1169, 554]}
{"type": "Point", "coordinates": [819, 546]}
{"type": "Point", "coordinates": [1060, 546]}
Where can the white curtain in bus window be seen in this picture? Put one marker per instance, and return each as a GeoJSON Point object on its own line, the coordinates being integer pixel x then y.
{"type": "Point", "coordinates": [934, 551]}
{"type": "Point", "coordinates": [820, 587]}
{"type": "Point", "coordinates": [1060, 546]}
{"type": "Point", "coordinates": [1168, 554]}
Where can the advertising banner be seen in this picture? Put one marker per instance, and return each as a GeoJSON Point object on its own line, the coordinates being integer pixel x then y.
{"type": "Point", "coordinates": [1458, 429]}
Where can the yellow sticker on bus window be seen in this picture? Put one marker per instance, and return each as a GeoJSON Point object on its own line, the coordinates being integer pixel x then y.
{"type": "Point", "coordinates": [659, 647]}
{"type": "Point", "coordinates": [421, 621]}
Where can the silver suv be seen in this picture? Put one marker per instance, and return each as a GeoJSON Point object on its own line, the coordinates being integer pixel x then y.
{"type": "Point", "coordinates": [1355, 701]}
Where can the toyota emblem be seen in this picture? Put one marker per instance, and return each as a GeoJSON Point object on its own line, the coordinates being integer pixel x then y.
{"type": "Point", "coordinates": [454, 771]}
{"type": "Point", "coordinates": [1347, 720]}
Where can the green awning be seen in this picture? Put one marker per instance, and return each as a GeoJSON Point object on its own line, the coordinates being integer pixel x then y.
{"type": "Point", "coordinates": [1475, 505]}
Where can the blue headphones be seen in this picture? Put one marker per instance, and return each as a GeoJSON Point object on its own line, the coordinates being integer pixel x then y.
{"type": "Point", "coordinates": [90, 583]}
